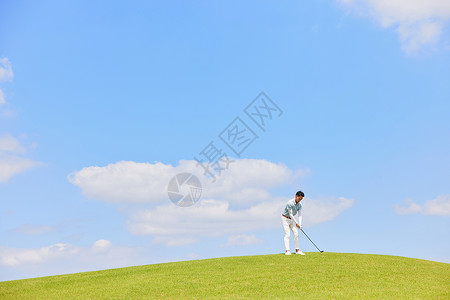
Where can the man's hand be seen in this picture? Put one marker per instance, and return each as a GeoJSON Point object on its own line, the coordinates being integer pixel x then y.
{"type": "Point", "coordinates": [298, 226]}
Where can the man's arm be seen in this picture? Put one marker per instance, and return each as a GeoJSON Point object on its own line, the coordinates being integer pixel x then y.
{"type": "Point", "coordinates": [292, 218]}
{"type": "Point", "coordinates": [300, 218]}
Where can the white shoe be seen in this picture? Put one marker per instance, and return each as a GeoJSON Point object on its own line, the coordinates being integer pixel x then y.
{"type": "Point", "coordinates": [300, 253]}
{"type": "Point", "coordinates": [287, 253]}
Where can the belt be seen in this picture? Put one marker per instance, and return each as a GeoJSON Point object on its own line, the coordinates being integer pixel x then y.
{"type": "Point", "coordinates": [285, 216]}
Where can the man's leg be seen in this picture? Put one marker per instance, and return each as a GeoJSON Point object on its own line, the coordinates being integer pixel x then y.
{"type": "Point", "coordinates": [296, 238]}
{"type": "Point", "coordinates": [287, 234]}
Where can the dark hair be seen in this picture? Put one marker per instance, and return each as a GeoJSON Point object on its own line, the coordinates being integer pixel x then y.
{"type": "Point", "coordinates": [300, 193]}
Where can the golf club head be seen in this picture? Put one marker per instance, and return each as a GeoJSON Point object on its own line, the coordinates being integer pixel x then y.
{"type": "Point", "coordinates": [321, 251]}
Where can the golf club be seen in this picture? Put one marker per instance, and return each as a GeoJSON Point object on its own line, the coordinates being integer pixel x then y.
{"type": "Point", "coordinates": [311, 241]}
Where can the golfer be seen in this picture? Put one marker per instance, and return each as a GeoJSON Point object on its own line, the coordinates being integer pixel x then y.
{"type": "Point", "coordinates": [293, 207]}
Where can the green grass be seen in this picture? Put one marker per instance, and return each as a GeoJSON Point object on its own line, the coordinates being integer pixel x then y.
{"type": "Point", "coordinates": [314, 276]}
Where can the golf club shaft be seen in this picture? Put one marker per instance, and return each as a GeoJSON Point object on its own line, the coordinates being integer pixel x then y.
{"type": "Point", "coordinates": [311, 240]}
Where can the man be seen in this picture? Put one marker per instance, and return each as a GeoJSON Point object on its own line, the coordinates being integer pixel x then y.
{"type": "Point", "coordinates": [293, 207]}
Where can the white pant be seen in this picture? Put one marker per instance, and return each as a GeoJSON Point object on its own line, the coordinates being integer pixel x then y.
{"type": "Point", "coordinates": [289, 224]}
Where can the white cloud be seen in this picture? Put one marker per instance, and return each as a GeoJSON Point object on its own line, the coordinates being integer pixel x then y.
{"type": "Point", "coordinates": [415, 36]}
{"type": "Point", "coordinates": [6, 72]}
{"type": "Point", "coordinates": [10, 161]}
{"type": "Point", "coordinates": [206, 218]}
{"type": "Point", "coordinates": [211, 218]}
{"type": "Point", "coordinates": [8, 144]}
{"type": "Point", "coordinates": [5, 111]}
{"type": "Point", "coordinates": [242, 240]}
{"type": "Point", "coordinates": [14, 256]}
{"type": "Point", "coordinates": [101, 246]}
{"type": "Point", "coordinates": [124, 181]}
{"type": "Point", "coordinates": [324, 209]}
{"type": "Point", "coordinates": [60, 258]}
{"type": "Point", "coordinates": [246, 180]}
{"type": "Point", "coordinates": [410, 208]}
{"type": "Point", "coordinates": [13, 165]}
{"type": "Point", "coordinates": [440, 206]}
{"type": "Point", "coordinates": [419, 23]}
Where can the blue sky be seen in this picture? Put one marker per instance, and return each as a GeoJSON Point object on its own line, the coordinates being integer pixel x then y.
{"type": "Point", "coordinates": [101, 104]}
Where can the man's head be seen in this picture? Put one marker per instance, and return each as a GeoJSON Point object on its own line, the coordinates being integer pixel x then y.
{"type": "Point", "coordinates": [299, 196]}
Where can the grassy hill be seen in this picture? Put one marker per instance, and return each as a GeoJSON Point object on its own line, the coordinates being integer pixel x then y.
{"type": "Point", "coordinates": [314, 276]}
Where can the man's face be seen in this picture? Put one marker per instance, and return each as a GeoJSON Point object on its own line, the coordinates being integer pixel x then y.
{"type": "Point", "coordinates": [298, 198]}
